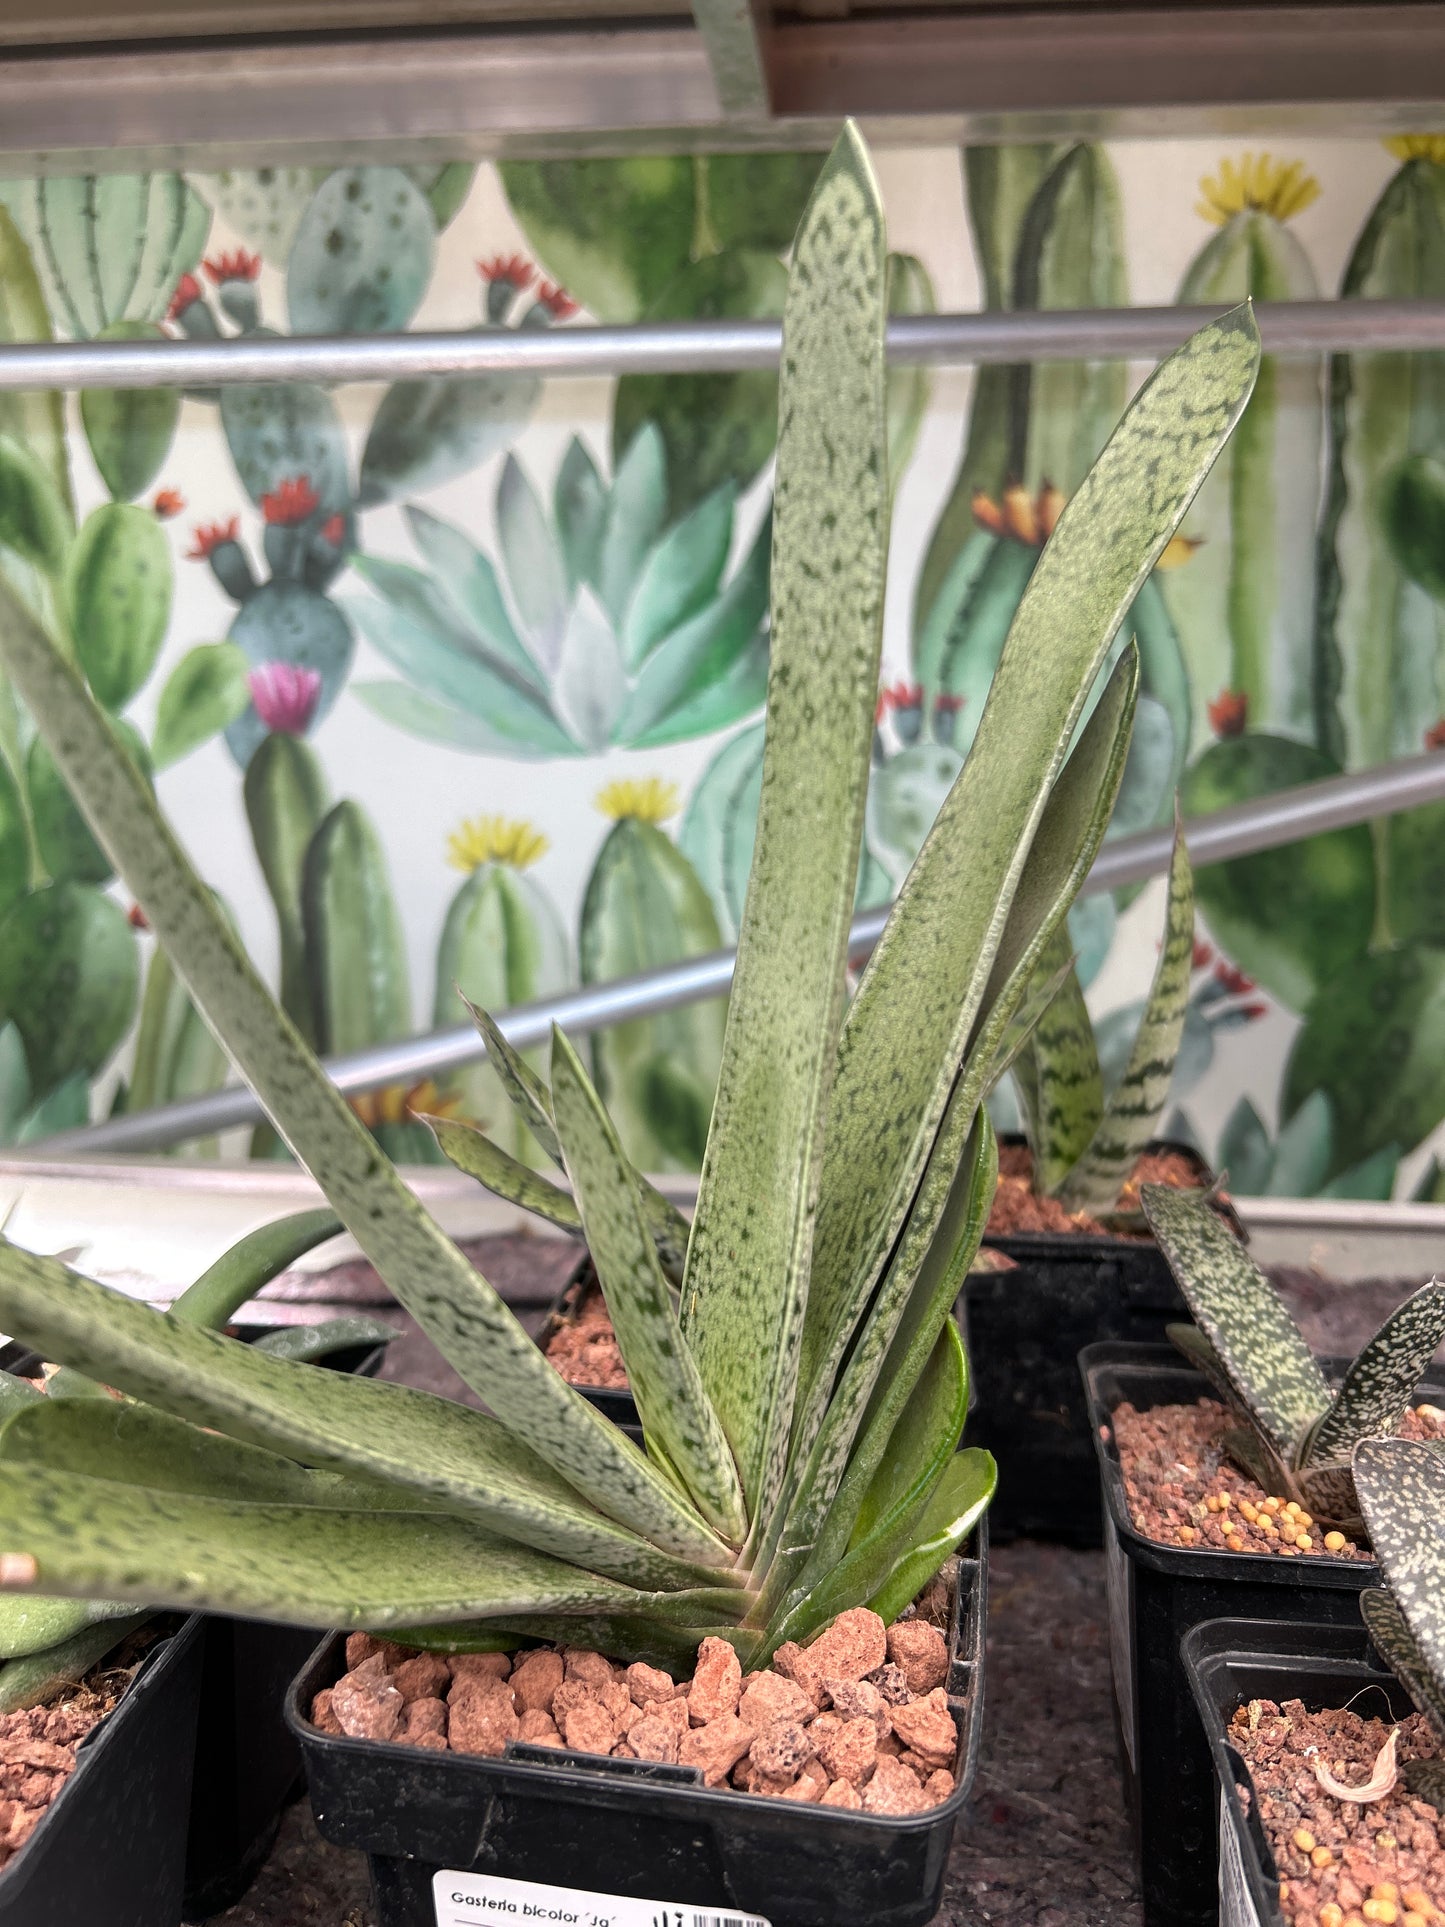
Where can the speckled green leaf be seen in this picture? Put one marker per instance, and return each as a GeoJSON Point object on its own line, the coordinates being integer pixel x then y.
{"type": "Point", "coordinates": [676, 1412]}
{"type": "Point", "coordinates": [747, 1273]}
{"type": "Point", "coordinates": [1377, 1387]}
{"type": "Point", "coordinates": [444, 1451]}
{"type": "Point", "coordinates": [1203, 1357]}
{"type": "Point", "coordinates": [1271, 1367]}
{"type": "Point", "coordinates": [1059, 1081]}
{"type": "Point", "coordinates": [921, 994]}
{"type": "Point", "coordinates": [300, 1565]}
{"type": "Point", "coordinates": [1398, 1647]}
{"type": "Point", "coordinates": [473, 1152]}
{"type": "Point", "coordinates": [1046, 985]}
{"type": "Point", "coordinates": [451, 1301]}
{"type": "Point", "coordinates": [916, 1457]}
{"type": "Point", "coordinates": [253, 1261]}
{"type": "Point", "coordinates": [1401, 1484]}
{"type": "Point", "coordinates": [307, 1343]}
{"type": "Point", "coordinates": [959, 1501]}
{"type": "Point", "coordinates": [1136, 1103]}
{"type": "Point", "coordinates": [37, 1680]}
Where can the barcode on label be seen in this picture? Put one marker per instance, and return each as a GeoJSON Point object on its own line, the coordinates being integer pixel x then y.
{"type": "Point", "coordinates": [462, 1899]}
{"type": "Point", "coordinates": [719, 1920]}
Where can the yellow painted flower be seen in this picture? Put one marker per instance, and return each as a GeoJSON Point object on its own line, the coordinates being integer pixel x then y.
{"type": "Point", "coordinates": [1031, 520]}
{"type": "Point", "coordinates": [1277, 188]}
{"type": "Point", "coordinates": [647, 799]}
{"type": "Point", "coordinates": [1417, 147]}
{"type": "Point", "coordinates": [494, 839]}
{"type": "Point", "coordinates": [396, 1103]}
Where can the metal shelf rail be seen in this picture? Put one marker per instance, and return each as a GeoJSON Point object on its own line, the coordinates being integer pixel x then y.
{"type": "Point", "coordinates": [702, 347]}
{"type": "Point", "coordinates": [1286, 817]}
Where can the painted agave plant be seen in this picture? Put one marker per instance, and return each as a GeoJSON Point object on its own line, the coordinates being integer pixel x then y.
{"type": "Point", "coordinates": [1401, 1484]}
{"type": "Point", "coordinates": [1084, 1143]}
{"type": "Point", "coordinates": [803, 1393]}
{"type": "Point", "coordinates": [604, 625]}
{"type": "Point", "coordinates": [1297, 1434]}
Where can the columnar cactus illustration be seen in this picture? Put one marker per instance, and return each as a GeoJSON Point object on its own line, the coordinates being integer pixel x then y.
{"type": "Point", "coordinates": [1378, 685]}
{"type": "Point", "coordinates": [644, 907]}
{"type": "Point", "coordinates": [502, 944]}
{"type": "Point", "coordinates": [604, 625]}
{"type": "Point", "coordinates": [1245, 608]}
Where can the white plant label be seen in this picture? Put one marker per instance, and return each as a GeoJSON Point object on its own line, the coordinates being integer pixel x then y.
{"type": "Point", "coordinates": [1236, 1903]}
{"type": "Point", "coordinates": [463, 1899]}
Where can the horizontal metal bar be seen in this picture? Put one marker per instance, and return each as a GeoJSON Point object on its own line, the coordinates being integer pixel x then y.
{"type": "Point", "coordinates": [690, 347]}
{"type": "Point", "coordinates": [1286, 817]}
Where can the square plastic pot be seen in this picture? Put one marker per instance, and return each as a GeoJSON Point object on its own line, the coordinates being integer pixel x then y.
{"type": "Point", "coordinates": [111, 1849]}
{"type": "Point", "coordinates": [1230, 1662]}
{"type": "Point", "coordinates": [644, 1832]}
{"type": "Point", "coordinates": [1157, 1595]}
{"type": "Point", "coordinates": [1025, 1328]}
{"type": "Point", "coordinates": [614, 1402]}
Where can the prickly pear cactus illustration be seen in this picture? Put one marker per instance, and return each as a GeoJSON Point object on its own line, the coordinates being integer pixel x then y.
{"type": "Point", "coordinates": [69, 974]}
{"type": "Point", "coordinates": [1380, 635]}
{"type": "Point", "coordinates": [604, 624]}
{"type": "Point", "coordinates": [1245, 607]}
{"type": "Point", "coordinates": [362, 254]}
{"type": "Point", "coordinates": [1040, 426]}
{"type": "Point", "coordinates": [644, 907]}
{"type": "Point", "coordinates": [118, 585]}
{"type": "Point", "coordinates": [502, 945]}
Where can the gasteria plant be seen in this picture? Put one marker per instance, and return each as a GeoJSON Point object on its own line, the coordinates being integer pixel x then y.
{"type": "Point", "coordinates": [1085, 1144]}
{"type": "Point", "coordinates": [1401, 1484]}
{"type": "Point", "coordinates": [803, 1402]}
{"type": "Point", "coordinates": [1297, 1432]}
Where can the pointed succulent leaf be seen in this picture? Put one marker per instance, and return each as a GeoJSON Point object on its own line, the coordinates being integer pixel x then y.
{"type": "Point", "coordinates": [1401, 1485]}
{"type": "Point", "coordinates": [636, 512]}
{"type": "Point", "coordinates": [1270, 1366]}
{"type": "Point", "coordinates": [33, 1623]}
{"type": "Point", "coordinates": [311, 1342]}
{"type": "Point", "coordinates": [1045, 986]}
{"type": "Point", "coordinates": [444, 1450]}
{"type": "Point", "coordinates": [675, 1410]}
{"type": "Point", "coordinates": [536, 572]}
{"type": "Point", "coordinates": [300, 1565]}
{"type": "Point", "coordinates": [15, 1394]}
{"type": "Point", "coordinates": [430, 1277]}
{"type": "Point", "coordinates": [1251, 1454]}
{"type": "Point", "coordinates": [39, 1679]}
{"type": "Point", "coordinates": [1398, 1647]}
{"type": "Point", "coordinates": [680, 576]}
{"type": "Point", "coordinates": [1068, 839]}
{"type": "Point", "coordinates": [1190, 1340]}
{"type": "Point", "coordinates": [748, 1262]}
{"type": "Point", "coordinates": [579, 508]}
{"type": "Point", "coordinates": [919, 998]}
{"type": "Point", "coordinates": [1061, 1085]}
{"type": "Point", "coordinates": [473, 1152]}
{"type": "Point", "coordinates": [1426, 1780]}
{"type": "Point", "coordinates": [253, 1261]}
{"type": "Point", "coordinates": [469, 583]}
{"type": "Point", "coordinates": [958, 1503]}
{"type": "Point", "coordinates": [1377, 1387]}
{"type": "Point", "coordinates": [918, 1456]}
{"type": "Point", "coordinates": [1136, 1103]}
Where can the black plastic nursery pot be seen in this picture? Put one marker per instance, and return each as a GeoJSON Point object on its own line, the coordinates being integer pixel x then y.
{"type": "Point", "coordinates": [614, 1402]}
{"type": "Point", "coordinates": [111, 1849]}
{"type": "Point", "coordinates": [1157, 1595]}
{"type": "Point", "coordinates": [1025, 1328]}
{"type": "Point", "coordinates": [625, 1842]}
{"type": "Point", "coordinates": [1230, 1662]}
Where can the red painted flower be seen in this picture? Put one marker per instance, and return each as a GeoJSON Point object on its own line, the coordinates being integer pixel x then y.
{"type": "Point", "coordinates": [210, 536]}
{"type": "Point", "coordinates": [167, 502]}
{"type": "Point", "coordinates": [1435, 735]}
{"type": "Point", "coordinates": [188, 289]}
{"type": "Point", "coordinates": [905, 695]}
{"type": "Point", "coordinates": [290, 502]}
{"type": "Point", "coordinates": [515, 269]}
{"type": "Point", "coordinates": [333, 530]}
{"type": "Point", "coordinates": [285, 696]}
{"type": "Point", "coordinates": [1229, 712]}
{"type": "Point", "coordinates": [137, 918]}
{"type": "Point", "coordinates": [238, 266]}
{"type": "Point", "coordinates": [1251, 1011]}
{"type": "Point", "coordinates": [948, 705]}
{"type": "Point", "coordinates": [1233, 978]}
{"type": "Point", "coordinates": [1203, 953]}
{"type": "Point", "coordinates": [558, 303]}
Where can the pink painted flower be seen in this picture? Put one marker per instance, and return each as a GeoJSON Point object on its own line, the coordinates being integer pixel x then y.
{"type": "Point", "coordinates": [333, 530]}
{"type": "Point", "coordinates": [285, 696]}
{"type": "Point", "coordinates": [188, 289]}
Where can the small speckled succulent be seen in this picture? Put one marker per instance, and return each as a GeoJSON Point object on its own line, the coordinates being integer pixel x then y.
{"type": "Point", "coordinates": [1297, 1432]}
{"type": "Point", "coordinates": [1401, 1484]}
{"type": "Point", "coordinates": [803, 1392]}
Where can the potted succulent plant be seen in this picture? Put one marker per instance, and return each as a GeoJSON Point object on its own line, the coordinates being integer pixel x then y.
{"type": "Point", "coordinates": [246, 1761]}
{"type": "Point", "coordinates": [1331, 1766]}
{"type": "Point", "coordinates": [802, 1402]}
{"type": "Point", "coordinates": [1237, 1505]}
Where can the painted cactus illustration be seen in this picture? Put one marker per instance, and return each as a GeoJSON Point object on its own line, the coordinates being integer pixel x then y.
{"type": "Point", "coordinates": [1049, 234]}
{"type": "Point", "coordinates": [603, 625]}
{"type": "Point", "coordinates": [1378, 682]}
{"type": "Point", "coordinates": [1245, 608]}
{"type": "Point", "coordinates": [502, 944]}
{"type": "Point", "coordinates": [1297, 1162]}
{"type": "Point", "coordinates": [644, 907]}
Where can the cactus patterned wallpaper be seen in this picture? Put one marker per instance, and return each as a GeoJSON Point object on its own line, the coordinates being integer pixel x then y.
{"type": "Point", "coordinates": [460, 682]}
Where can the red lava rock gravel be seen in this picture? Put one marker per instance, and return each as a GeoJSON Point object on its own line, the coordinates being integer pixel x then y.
{"type": "Point", "coordinates": [1183, 1490]}
{"type": "Point", "coordinates": [1016, 1207]}
{"type": "Point", "coordinates": [1342, 1864]}
{"type": "Point", "coordinates": [37, 1753]}
{"type": "Point", "coordinates": [859, 1718]}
